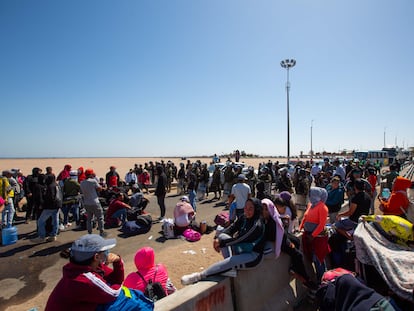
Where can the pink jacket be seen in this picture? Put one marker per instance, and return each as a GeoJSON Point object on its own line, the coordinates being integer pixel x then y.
{"type": "Point", "coordinates": [145, 264]}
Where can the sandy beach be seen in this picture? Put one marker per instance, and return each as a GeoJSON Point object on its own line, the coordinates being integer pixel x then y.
{"type": "Point", "coordinates": [101, 165]}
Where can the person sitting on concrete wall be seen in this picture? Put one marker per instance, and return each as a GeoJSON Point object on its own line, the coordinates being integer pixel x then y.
{"type": "Point", "coordinates": [241, 244]}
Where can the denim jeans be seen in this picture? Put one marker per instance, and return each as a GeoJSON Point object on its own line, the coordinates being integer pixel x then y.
{"type": "Point", "coordinates": [192, 197]}
{"type": "Point", "coordinates": [8, 213]}
{"type": "Point", "coordinates": [41, 222]}
{"type": "Point", "coordinates": [120, 214]}
{"type": "Point", "coordinates": [74, 209]}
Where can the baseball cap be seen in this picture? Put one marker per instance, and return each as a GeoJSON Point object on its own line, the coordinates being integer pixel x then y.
{"type": "Point", "coordinates": [241, 177]}
{"type": "Point", "coordinates": [88, 245]}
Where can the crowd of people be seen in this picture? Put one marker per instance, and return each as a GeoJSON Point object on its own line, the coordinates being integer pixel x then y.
{"type": "Point", "coordinates": [271, 204]}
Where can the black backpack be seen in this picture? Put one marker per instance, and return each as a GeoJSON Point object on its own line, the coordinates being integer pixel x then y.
{"type": "Point", "coordinates": [153, 290]}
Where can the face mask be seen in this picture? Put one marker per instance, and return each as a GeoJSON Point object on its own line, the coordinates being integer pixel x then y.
{"type": "Point", "coordinates": [106, 253]}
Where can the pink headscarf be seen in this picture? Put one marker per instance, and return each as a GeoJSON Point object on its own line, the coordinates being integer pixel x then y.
{"type": "Point", "coordinates": [279, 225]}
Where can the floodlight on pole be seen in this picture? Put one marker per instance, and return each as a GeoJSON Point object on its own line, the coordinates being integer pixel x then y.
{"type": "Point", "coordinates": [287, 64]}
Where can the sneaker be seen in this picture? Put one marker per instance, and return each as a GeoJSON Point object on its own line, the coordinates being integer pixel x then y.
{"type": "Point", "coordinates": [61, 227]}
{"type": "Point", "coordinates": [103, 234]}
{"type": "Point", "coordinates": [190, 278]}
{"type": "Point", "coordinates": [51, 239]}
{"type": "Point", "coordinates": [231, 273]}
{"type": "Point", "coordinates": [38, 240]}
{"type": "Point", "coordinates": [68, 224]}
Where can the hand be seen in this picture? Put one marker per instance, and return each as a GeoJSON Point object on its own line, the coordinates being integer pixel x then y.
{"type": "Point", "coordinates": [338, 217]}
{"type": "Point", "coordinates": [216, 245]}
{"type": "Point", "coordinates": [112, 258]}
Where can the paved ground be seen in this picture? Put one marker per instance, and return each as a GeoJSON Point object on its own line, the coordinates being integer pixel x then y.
{"type": "Point", "coordinates": [28, 272]}
{"type": "Point", "coordinates": [28, 269]}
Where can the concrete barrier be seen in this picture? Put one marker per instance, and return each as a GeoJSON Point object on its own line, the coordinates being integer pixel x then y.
{"type": "Point", "coordinates": [265, 287]}
{"type": "Point", "coordinates": [214, 294]}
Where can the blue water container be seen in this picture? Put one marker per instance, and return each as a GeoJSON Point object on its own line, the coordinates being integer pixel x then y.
{"type": "Point", "coordinates": [9, 235]}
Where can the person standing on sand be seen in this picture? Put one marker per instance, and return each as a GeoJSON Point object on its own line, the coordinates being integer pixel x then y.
{"type": "Point", "coordinates": [50, 208]}
{"type": "Point", "coordinates": [161, 190]}
{"type": "Point", "coordinates": [90, 188]}
{"type": "Point", "coordinates": [112, 177]}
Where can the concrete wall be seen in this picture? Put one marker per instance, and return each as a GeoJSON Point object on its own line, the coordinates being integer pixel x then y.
{"type": "Point", "coordinates": [266, 287]}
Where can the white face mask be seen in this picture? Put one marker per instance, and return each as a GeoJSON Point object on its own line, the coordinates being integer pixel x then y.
{"type": "Point", "coordinates": [105, 258]}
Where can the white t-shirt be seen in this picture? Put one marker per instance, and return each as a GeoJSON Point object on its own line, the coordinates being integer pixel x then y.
{"type": "Point", "coordinates": [241, 191]}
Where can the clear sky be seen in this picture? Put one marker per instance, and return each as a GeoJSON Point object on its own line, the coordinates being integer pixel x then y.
{"type": "Point", "coordinates": [197, 77]}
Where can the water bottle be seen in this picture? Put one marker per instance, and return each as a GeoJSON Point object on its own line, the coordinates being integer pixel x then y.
{"type": "Point", "coordinates": [9, 235]}
{"type": "Point", "coordinates": [385, 193]}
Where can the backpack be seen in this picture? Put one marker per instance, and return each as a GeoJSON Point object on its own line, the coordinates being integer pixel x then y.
{"type": "Point", "coordinates": [222, 219]}
{"type": "Point", "coordinates": [191, 235]}
{"type": "Point", "coordinates": [153, 290]}
{"type": "Point", "coordinates": [141, 225]}
{"type": "Point", "coordinates": [59, 195]}
{"type": "Point", "coordinates": [168, 228]}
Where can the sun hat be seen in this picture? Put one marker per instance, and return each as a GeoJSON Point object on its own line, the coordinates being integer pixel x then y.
{"type": "Point", "coordinates": [88, 245]}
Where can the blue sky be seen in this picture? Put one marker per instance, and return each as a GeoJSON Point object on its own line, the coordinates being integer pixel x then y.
{"type": "Point", "coordinates": [182, 78]}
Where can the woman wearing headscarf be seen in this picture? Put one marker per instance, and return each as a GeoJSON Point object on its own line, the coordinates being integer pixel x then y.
{"type": "Point", "coordinates": [315, 243]}
{"type": "Point", "coordinates": [275, 232]}
{"type": "Point", "coordinates": [241, 244]}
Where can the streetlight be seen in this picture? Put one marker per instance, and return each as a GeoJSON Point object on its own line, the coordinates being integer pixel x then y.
{"type": "Point", "coordinates": [287, 64]}
{"type": "Point", "coordinates": [311, 151]}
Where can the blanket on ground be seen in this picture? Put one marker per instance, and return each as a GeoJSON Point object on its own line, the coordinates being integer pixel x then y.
{"type": "Point", "coordinates": [392, 261]}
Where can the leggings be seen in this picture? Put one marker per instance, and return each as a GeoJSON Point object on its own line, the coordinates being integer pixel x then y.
{"type": "Point", "coordinates": [240, 261]}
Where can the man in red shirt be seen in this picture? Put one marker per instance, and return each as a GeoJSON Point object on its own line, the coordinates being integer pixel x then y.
{"type": "Point", "coordinates": [116, 214]}
{"type": "Point", "coordinates": [87, 280]}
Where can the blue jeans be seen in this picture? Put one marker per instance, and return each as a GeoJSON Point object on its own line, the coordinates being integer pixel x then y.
{"type": "Point", "coordinates": [8, 213]}
{"type": "Point", "coordinates": [320, 267]}
{"type": "Point", "coordinates": [120, 214]}
{"type": "Point", "coordinates": [192, 197]}
{"type": "Point", "coordinates": [74, 209]}
{"type": "Point", "coordinates": [41, 222]}
{"type": "Point", "coordinates": [346, 224]}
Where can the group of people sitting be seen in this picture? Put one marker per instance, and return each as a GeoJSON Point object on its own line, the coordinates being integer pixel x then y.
{"type": "Point", "coordinates": [245, 241]}
{"type": "Point", "coordinates": [89, 282]}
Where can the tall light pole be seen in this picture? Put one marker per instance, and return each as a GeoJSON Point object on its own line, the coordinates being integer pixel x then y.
{"type": "Point", "coordinates": [311, 150]}
{"type": "Point", "coordinates": [287, 64]}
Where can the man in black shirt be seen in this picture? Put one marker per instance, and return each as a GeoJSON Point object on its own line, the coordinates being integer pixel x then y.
{"type": "Point", "coordinates": [360, 205]}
